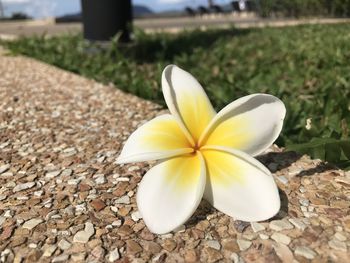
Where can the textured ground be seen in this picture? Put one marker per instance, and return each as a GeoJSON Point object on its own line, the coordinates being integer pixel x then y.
{"type": "Point", "coordinates": [62, 197]}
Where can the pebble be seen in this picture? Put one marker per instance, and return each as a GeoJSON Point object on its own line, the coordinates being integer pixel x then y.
{"type": "Point", "coordinates": [340, 236]}
{"type": "Point", "coordinates": [136, 216]}
{"type": "Point", "coordinates": [337, 245]}
{"type": "Point", "coordinates": [84, 235]}
{"type": "Point", "coordinates": [305, 252]}
{"type": "Point", "coordinates": [263, 236]}
{"type": "Point", "coordinates": [122, 179]}
{"type": "Point", "coordinates": [73, 181]}
{"type": "Point", "coordinates": [52, 174]}
{"type": "Point", "coordinates": [49, 250]}
{"type": "Point", "coordinates": [213, 244]}
{"type": "Point", "coordinates": [24, 186]}
{"type": "Point", "coordinates": [117, 223]}
{"type": "Point", "coordinates": [283, 252]}
{"type": "Point", "coordinates": [98, 204]}
{"type": "Point", "coordinates": [38, 193]}
{"type": "Point", "coordinates": [4, 168]}
{"type": "Point", "coordinates": [8, 214]}
{"type": "Point", "coordinates": [60, 258]}
{"type": "Point", "coordinates": [113, 255]}
{"type": "Point", "coordinates": [30, 224]}
{"type": "Point", "coordinates": [67, 172]}
{"type": "Point", "coordinates": [279, 225]}
{"type": "Point", "coordinates": [32, 245]}
{"type": "Point", "coordinates": [283, 179]}
{"type": "Point", "coordinates": [3, 197]}
{"type": "Point", "coordinates": [281, 238]}
{"type": "Point", "coordinates": [64, 244]}
{"type": "Point", "coordinates": [123, 200]}
{"type": "Point", "coordinates": [100, 179]}
{"type": "Point", "coordinates": [243, 244]}
{"type": "Point", "coordinates": [236, 259]}
{"type": "Point", "coordinates": [2, 220]}
{"type": "Point", "coordinates": [80, 257]}
{"type": "Point", "coordinates": [298, 223]}
{"type": "Point", "coordinates": [257, 227]}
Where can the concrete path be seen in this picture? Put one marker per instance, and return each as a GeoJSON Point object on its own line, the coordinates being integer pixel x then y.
{"type": "Point", "coordinates": [63, 199]}
{"type": "Point", "coordinates": [11, 30]}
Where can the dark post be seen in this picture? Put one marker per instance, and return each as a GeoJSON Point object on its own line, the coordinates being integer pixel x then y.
{"type": "Point", "coordinates": [103, 19]}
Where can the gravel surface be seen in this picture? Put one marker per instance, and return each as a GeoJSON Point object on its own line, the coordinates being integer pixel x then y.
{"type": "Point", "coordinates": [62, 197]}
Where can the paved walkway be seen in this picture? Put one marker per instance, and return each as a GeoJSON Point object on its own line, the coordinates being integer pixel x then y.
{"type": "Point", "coordinates": [11, 30]}
{"type": "Point", "coordinates": [62, 197]}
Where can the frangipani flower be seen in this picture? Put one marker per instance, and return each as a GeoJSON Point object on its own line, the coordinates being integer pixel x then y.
{"type": "Point", "coordinates": [205, 154]}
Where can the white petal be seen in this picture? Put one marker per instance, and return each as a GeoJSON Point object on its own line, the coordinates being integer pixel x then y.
{"type": "Point", "coordinates": [239, 186]}
{"type": "Point", "coordinates": [171, 191]}
{"type": "Point", "coordinates": [159, 138]}
{"type": "Point", "coordinates": [250, 124]}
{"type": "Point", "coordinates": [186, 99]}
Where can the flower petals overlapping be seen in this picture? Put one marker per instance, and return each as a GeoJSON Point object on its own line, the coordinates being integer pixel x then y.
{"type": "Point", "coordinates": [204, 154]}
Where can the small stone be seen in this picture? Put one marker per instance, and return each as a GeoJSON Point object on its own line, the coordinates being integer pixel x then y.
{"type": "Point", "coordinates": [100, 179]}
{"type": "Point", "coordinates": [73, 181]}
{"type": "Point", "coordinates": [32, 245]}
{"type": "Point", "coordinates": [38, 193]}
{"type": "Point", "coordinates": [257, 227]}
{"type": "Point", "coordinates": [213, 255]}
{"type": "Point", "coordinates": [123, 200]}
{"type": "Point", "coordinates": [133, 247]}
{"type": "Point", "coordinates": [243, 244]}
{"type": "Point", "coordinates": [4, 168]}
{"type": "Point", "coordinates": [152, 247]}
{"type": "Point", "coordinates": [67, 172]}
{"type": "Point", "coordinates": [213, 244]}
{"type": "Point", "coordinates": [84, 235]}
{"type": "Point", "coordinates": [8, 214]}
{"type": "Point", "coordinates": [282, 179]}
{"type": "Point", "coordinates": [236, 259]}
{"type": "Point", "coordinates": [122, 179]}
{"type": "Point", "coordinates": [113, 255]}
{"type": "Point", "coordinates": [279, 225]}
{"type": "Point", "coordinates": [169, 245]}
{"type": "Point", "coordinates": [21, 187]}
{"type": "Point", "coordinates": [180, 229]}
{"type": "Point", "coordinates": [7, 175]}
{"type": "Point", "coordinates": [52, 174]}
{"type": "Point", "coordinates": [240, 226]}
{"type": "Point", "coordinates": [136, 216]}
{"type": "Point", "coordinates": [3, 197]}
{"type": "Point", "coordinates": [340, 236]}
{"type": "Point", "coordinates": [117, 223]}
{"type": "Point", "coordinates": [337, 245]}
{"type": "Point", "coordinates": [283, 252]}
{"type": "Point", "coordinates": [133, 168]}
{"type": "Point", "coordinates": [97, 204]}
{"type": "Point", "coordinates": [60, 258]}
{"type": "Point", "coordinates": [30, 224]}
{"type": "Point", "coordinates": [305, 252]}
{"type": "Point", "coordinates": [98, 252]}
{"type": "Point", "coordinates": [191, 256]}
{"type": "Point", "coordinates": [263, 236]}
{"type": "Point", "coordinates": [281, 238]}
{"type": "Point", "coordinates": [49, 250]}
{"type": "Point", "coordinates": [80, 257]}
{"type": "Point", "coordinates": [304, 202]}
{"type": "Point", "coordinates": [6, 233]}
{"type": "Point", "coordinates": [298, 223]}
{"type": "Point", "coordinates": [64, 244]}
{"type": "Point", "coordinates": [273, 167]}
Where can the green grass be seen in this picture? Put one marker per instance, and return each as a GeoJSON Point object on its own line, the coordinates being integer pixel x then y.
{"type": "Point", "coordinates": [308, 67]}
